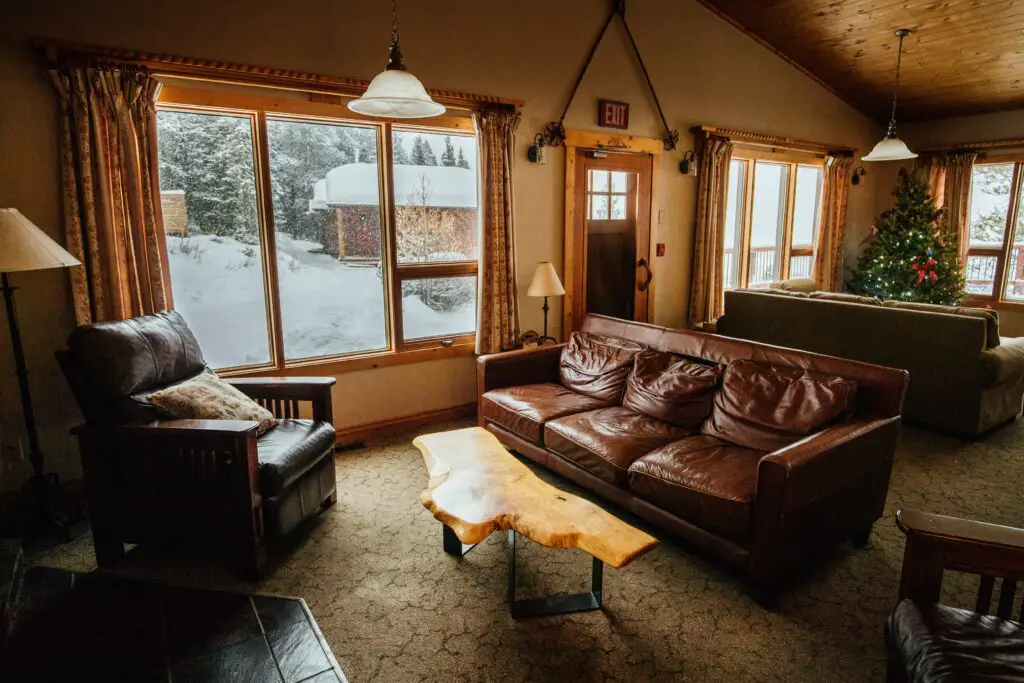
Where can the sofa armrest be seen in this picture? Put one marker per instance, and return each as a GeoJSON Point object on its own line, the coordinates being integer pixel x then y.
{"type": "Point", "coordinates": [281, 395]}
{"type": "Point", "coordinates": [164, 429]}
{"type": "Point", "coordinates": [1005, 361]}
{"type": "Point", "coordinates": [808, 469]}
{"type": "Point", "coordinates": [514, 368]}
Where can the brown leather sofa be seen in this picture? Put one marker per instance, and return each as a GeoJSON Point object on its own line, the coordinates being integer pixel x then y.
{"type": "Point", "coordinates": [932, 642]}
{"type": "Point", "coordinates": [763, 493]}
{"type": "Point", "coordinates": [214, 484]}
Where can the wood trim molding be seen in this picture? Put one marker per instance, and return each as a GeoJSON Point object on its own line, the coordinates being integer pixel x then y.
{"type": "Point", "coordinates": [1011, 144]}
{"type": "Point", "coordinates": [57, 51]}
{"type": "Point", "coordinates": [464, 347]}
{"type": "Point", "coordinates": [765, 140]}
{"type": "Point", "coordinates": [348, 436]}
{"type": "Point", "coordinates": [613, 142]}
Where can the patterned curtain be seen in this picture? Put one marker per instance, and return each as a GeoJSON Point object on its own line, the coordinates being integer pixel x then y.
{"type": "Point", "coordinates": [934, 167]}
{"type": "Point", "coordinates": [498, 308]}
{"type": "Point", "coordinates": [835, 194]}
{"type": "Point", "coordinates": [956, 197]}
{"type": "Point", "coordinates": [709, 242]}
{"type": "Point", "coordinates": [112, 215]}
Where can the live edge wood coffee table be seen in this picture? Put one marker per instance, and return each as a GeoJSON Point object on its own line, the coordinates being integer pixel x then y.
{"type": "Point", "coordinates": [477, 487]}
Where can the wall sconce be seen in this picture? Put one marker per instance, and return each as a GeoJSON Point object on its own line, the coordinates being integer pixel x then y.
{"type": "Point", "coordinates": [858, 173]}
{"type": "Point", "coordinates": [536, 151]}
{"type": "Point", "coordinates": [688, 165]}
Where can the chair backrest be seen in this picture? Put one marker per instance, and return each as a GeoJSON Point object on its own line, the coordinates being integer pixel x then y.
{"type": "Point", "coordinates": [112, 366]}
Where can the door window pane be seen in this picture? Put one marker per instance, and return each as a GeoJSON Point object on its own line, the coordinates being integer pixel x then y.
{"type": "Point", "coordinates": [619, 181]}
{"type": "Point", "coordinates": [767, 222]}
{"type": "Point", "coordinates": [436, 197]}
{"type": "Point", "coordinates": [599, 207]}
{"type": "Point", "coordinates": [208, 195]}
{"type": "Point", "coordinates": [990, 202]}
{"type": "Point", "coordinates": [598, 181]}
{"type": "Point", "coordinates": [807, 209]}
{"type": "Point", "coordinates": [980, 274]}
{"type": "Point", "coordinates": [325, 183]}
{"type": "Point", "coordinates": [618, 212]}
{"type": "Point", "coordinates": [1015, 266]}
{"type": "Point", "coordinates": [438, 307]}
{"type": "Point", "coordinates": [733, 224]}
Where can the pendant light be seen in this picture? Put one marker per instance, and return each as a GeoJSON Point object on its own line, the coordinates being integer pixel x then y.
{"type": "Point", "coordinates": [891, 148]}
{"type": "Point", "coordinates": [395, 93]}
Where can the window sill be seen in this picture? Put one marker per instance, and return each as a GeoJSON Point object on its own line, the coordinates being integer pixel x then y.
{"type": "Point", "coordinates": [371, 361]}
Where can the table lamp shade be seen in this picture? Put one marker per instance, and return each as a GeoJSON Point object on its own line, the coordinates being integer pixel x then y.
{"type": "Point", "coordinates": [545, 281]}
{"type": "Point", "coordinates": [23, 246]}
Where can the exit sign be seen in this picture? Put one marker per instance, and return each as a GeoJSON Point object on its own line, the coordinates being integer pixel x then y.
{"type": "Point", "coordinates": [612, 114]}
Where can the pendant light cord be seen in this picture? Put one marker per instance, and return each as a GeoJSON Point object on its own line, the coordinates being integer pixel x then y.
{"type": "Point", "coordinates": [394, 21]}
{"type": "Point", "coordinates": [902, 33]}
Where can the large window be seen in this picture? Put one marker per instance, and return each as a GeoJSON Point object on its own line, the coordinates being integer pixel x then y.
{"type": "Point", "coordinates": [295, 238]}
{"type": "Point", "coordinates": [995, 267]}
{"type": "Point", "coordinates": [772, 217]}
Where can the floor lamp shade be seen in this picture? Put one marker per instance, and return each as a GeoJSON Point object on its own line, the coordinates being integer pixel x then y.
{"type": "Point", "coordinates": [23, 246]}
{"type": "Point", "coordinates": [545, 281]}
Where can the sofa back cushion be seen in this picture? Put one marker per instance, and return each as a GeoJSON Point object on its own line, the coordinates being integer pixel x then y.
{"type": "Point", "coordinates": [768, 406]}
{"type": "Point", "coordinates": [597, 366]}
{"type": "Point", "coordinates": [990, 316]}
{"type": "Point", "coordinates": [671, 389]}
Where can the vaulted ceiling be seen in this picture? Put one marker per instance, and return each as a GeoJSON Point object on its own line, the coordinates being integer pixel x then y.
{"type": "Point", "coordinates": [964, 57]}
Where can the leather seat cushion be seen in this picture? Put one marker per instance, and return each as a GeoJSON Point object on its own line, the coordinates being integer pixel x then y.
{"type": "Point", "coordinates": [289, 450]}
{"type": "Point", "coordinates": [605, 442]}
{"type": "Point", "coordinates": [672, 389]}
{"type": "Point", "coordinates": [766, 406]}
{"type": "Point", "coordinates": [597, 366]}
{"type": "Point", "coordinates": [704, 480]}
{"type": "Point", "coordinates": [523, 410]}
{"type": "Point", "coordinates": [938, 643]}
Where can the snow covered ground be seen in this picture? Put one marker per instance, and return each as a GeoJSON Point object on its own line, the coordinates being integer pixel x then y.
{"type": "Point", "coordinates": [327, 307]}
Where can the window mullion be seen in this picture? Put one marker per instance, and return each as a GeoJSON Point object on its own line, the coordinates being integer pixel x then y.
{"type": "Point", "coordinates": [787, 227]}
{"type": "Point", "coordinates": [748, 218]}
{"type": "Point", "coordinates": [389, 254]}
{"type": "Point", "coordinates": [1003, 264]}
{"type": "Point", "coordinates": [261, 147]}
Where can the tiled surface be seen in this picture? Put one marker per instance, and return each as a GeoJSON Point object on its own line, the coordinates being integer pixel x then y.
{"type": "Point", "coordinates": [77, 627]}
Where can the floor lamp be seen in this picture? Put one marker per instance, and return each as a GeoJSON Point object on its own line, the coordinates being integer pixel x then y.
{"type": "Point", "coordinates": [545, 283]}
{"type": "Point", "coordinates": [23, 246]}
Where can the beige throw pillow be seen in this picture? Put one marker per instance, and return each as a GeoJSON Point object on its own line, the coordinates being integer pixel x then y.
{"type": "Point", "coordinates": [208, 397]}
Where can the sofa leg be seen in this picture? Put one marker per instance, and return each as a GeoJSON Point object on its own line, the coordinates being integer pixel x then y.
{"type": "Point", "coordinates": [861, 538]}
{"type": "Point", "coordinates": [109, 551]}
{"type": "Point", "coordinates": [330, 500]}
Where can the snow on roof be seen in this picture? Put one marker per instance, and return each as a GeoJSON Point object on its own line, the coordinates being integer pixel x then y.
{"type": "Point", "coordinates": [356, 185]}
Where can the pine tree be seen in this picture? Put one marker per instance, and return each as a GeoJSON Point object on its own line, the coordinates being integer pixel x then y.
{"type": "Point", "coordinates": [462, 162]}
{"type": "Point", "coordinates": [422, 155]}
{"type": "Point", "coordinates": [448, 156]}
{"type": "Point", "coordinates": [401, 154]}
{"type": "Point", "coordinates": [913, 255]}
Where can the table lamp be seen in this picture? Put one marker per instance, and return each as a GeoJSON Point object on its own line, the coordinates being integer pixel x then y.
{"type": "Point", "coordinates": [545, 283]}
{"type": "Point", "coordinates": [23, 246]}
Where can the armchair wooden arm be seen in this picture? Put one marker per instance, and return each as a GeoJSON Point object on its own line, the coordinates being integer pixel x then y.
{"type": "Point", "coordinates": [936, 543]}
{"type": "Point", "coordinates": [282, 395]}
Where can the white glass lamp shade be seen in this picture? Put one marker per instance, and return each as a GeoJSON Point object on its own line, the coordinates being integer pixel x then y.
{"type": "Point", "coordinates": [545, 281]}
{"type": "Point", "coordinates": [23, 246]}
{"type": "Point", "coordinates": [396, 94]}
{"type": "Point", "coordinates": [891, 148]}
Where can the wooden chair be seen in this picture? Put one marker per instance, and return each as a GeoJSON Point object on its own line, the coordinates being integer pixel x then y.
{"type": "Point", "coordinates": [928, 640]}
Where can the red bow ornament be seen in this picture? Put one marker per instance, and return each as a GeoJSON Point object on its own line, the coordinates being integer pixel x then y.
{"type": "Point", "coordinates": [926, 269]}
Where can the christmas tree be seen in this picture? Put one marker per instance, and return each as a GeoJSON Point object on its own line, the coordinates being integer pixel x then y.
{"type": "Point", "coordinates": [913, 255]}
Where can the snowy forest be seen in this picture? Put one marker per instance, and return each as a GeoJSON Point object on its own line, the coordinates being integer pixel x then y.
{"type": "Point", "coordinates": [328, 307]}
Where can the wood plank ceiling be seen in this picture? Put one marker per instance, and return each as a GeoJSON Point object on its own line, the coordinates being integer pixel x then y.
{"type": "Point", "coordinates": [964, 57]}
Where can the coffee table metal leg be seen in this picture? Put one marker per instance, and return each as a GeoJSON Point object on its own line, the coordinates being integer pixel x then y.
{"type": "Point", "coordinates": [452, 544]}
{"type": "Point", "coordinates": [552, 604]}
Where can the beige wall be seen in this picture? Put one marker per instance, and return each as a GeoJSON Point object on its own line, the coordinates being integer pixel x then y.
{"type": "Point", "coordinates": [998, 126]}
{"type": "Point", "coordinates": [705, 70]}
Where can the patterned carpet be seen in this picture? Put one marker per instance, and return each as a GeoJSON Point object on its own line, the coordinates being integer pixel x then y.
{"type": "Point", "coordinates": [395, 608]}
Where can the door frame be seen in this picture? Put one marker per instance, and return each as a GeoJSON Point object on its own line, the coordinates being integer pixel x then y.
{"type": "Point", "coordinates": [585, 140]}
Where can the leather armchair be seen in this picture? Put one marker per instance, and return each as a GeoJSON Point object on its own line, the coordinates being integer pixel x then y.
{"type": "Point", "coordinates": [931, 641]}
{"type": "Point", "coordinates": [212, 485]}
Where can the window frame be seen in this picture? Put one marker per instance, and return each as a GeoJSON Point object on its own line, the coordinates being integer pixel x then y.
{"type": "Point", "coordinates": [314, 108]}
{"type": "Point", "coordinates": [1002, 254]}
{"type": "Point", "coordinates": [785, 251]}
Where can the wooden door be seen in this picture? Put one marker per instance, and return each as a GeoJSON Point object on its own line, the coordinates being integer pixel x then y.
{"type": "Point", "coordinates": [612, 234]}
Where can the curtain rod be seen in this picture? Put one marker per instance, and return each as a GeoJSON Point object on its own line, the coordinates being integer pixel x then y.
{"type": "Point", "coordinates": [764, 140]}
{"type": "Point", "coordinates": [58, 52]}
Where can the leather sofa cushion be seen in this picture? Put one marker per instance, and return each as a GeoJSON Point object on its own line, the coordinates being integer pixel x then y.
{"type": "Point", "coordinates": [672, 389]}
{"type": "Point", "coordinates": [289, 450]}
{"type": "Point", "coordinates": [702, 479]}
{"type": "Point", "coordinates": [990, 316]}
{"type": "Point", "coordinates": [937, 643]}
{"type": "Point", "coordinates": [605, 442]}
{"type": "Point", "coordinates": [523, 410]}
{"type": "Point", "coordinates": [766, 407]}
{"type": "Point", "coordinates": [597, 366]}
{"type": "Point", "coordinates": [126, 357]}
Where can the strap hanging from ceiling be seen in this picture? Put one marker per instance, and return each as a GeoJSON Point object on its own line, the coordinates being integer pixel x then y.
{"type": "Point", "coordinates": [554, 133]}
